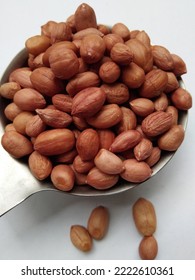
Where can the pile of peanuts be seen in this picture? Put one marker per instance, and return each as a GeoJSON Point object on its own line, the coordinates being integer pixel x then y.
{"type": "Point", "coordinates": [94, 104]}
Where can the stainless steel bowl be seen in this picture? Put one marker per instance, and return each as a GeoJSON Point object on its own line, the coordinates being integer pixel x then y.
{"type": "Point", "coordinates": [16, 181]}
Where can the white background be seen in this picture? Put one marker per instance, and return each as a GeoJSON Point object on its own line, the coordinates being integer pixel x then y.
{"type": "Point", "coordinates": [39, 227]}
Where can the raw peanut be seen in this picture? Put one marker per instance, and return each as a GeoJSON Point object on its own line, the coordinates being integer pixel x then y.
{"type": "Point", "coordinates": [103, 28]}
{"type": "Point", "coordinates": [95, 67]}
{"type": "Point", "coordinates": [157, 123]}
{"type": "Point", "coordinates": [107, 117]}
{"type": "Point", "coordinates": [83, 66]}
{"type": "Point", "coordinates": [87, 144]}
{"type": "Point", "coordinates": [39, 165]}
{"type": "Point", "coordinates": [36, 62]}
{"type": "Point", "coordinates": [46, 28]}
{"type": "Point", "coordinates": [98, 222]}
{"type": "Point", "coordinates": [162, 58]}
{"type": "Point", "coordinates": [58, 47]}
{"type": "Point", "coordinates": [179, 65]}
{"type": "Point", "coordinates": [154, 156]}
{"type": "Point", "coordinates": [172, 139]}
{"type": "Point", "coordinates": [149, 64]}
{"type": "Point", "coordinates": [11, 111]}
{"type": "Point", "coordinates": [143, 37]}
{"type": "Point", "coordinates": [122, 30]}
{"type": "Point", "coordinates": [84, 17]}
{"type": "Point", "coordinates": [92, 48]}
{"type": "Point", "coordinates": [62, 102]}
{"type": "Point", "coordinates": [62, 177]}
{"type": "Point", "coordinates": [55, 141]}
{"type": "Point", "coordinates": [141, 54]}
{"type": "Point", "coordinates": [155, 82]}
{"type": "Point", "coordinates": [34, 126]}
{"type": "Point", "coordinates": [85, 32]}
{"type": "Point", "coordinates": [82, 166]}
{"type": "Point", "coordinates": [81, 81]}
{"type": "Point", "coordinates": [172, 83]}
{"type": "Point", "coordinates": [109, 72]}
{"type": "Point", "coordinates": [117, 93]}
{"type": "Point", "coordinates": [128, 121]}
{"type": "Point", "coordinates": [80, 123]}
{"type": "Point", "coordinates": [108, 162]}
{"type": "Point", "coordinates": [54, 118]}
{"type": "Point", "coordinates": [143, 149]}
{"type": "Point", "coordinates": [125, 141]}
{"type": "Point", "coordinates": [121, 54]}
{"type": "Point", "coordinates": [8, 90]}
{"type": "Point", "coordinates": [37, 44]}
{"type": "Point", "coordinates": [106, 137]}
{"type": "Point", "coordinates": [161, 102]}
{"type": "Point", "coordinates": [66, 157]}
{"type": "Point", "coordinates": [100, 180]}
{"type": "Point", "coordinates": [144, 216]}
{"type": "Point", "coordinates": [134, 33]}
{"type": "Point", "coordinates": [142, 106]}
{"type": "Point", "coordinates": [81, 238]}
{"type": "Point", "coordinates": [110, 40]}
{"type": "Point", "coordinates": [16, 144]}
{"type": "Point", "coordinates": [77, 43]}
{"type": "Point", "coordinates": [88, 102]}
{"type": "Point", "coordinates": [64, 64]}
{"type": "Point", "coordinates": [31, 58]}
{"type": "Point", "coordinates": [133, 76]}
{"type": "Point", "coordinates": [174, 112]}
{"type": "Point", "coordinates": [28, 99]}
{"type": "Point", "coordinates": [181, 99]}
{"type": "Point", "coordinates": [80, 178]}
{"type": "Point", "coordinates": [148, 248]}
{"type": "Point", "coordinates": [44, 81]}
{"type": "Point", "coordinates": [10, 127]}
{"type": "Point", "coordinates": [21, 120]}
{"type": "Point", "coordinates": [139, 129]}
{"type": "Point", "coordinates": [60, 31]}
{"type": "Point", "coordinates": [71, 22]}
{"type": "Point", "coordinates": [135, 171]}
{"type": "Point", "coordinates": [21, 76]}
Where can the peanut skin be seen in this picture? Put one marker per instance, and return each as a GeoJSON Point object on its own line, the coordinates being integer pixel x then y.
{"type": "Point", "coordinates": [85, 17]}
{"type": "Point", "coordinates": [98, 222]}
{"type": "Point", "coordinates": [16, 144]}
{"type": "Point", "coordinates": [144, 216]}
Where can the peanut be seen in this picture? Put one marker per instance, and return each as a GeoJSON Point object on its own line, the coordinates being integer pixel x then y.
{"type": "Point", "coordinates": [148, 248]}
{"type": "Point", "coordinates": [98, 222]}
{"type": "Point", "coordinates": [54, 142]}
{"type": "Point", "coordinates": [100, 180]}
{"type": "Point", "coordinates": [81, 238]}
{"type": "Point", "coordinates": [87, 144]}
{"type": "Point", "coordinates": [144, 216]}
{"type": "Point", "coordinates": [16, 144]}
{"type": "Point", "coordinates": [85, 17]}
{"type": "Point", "coordinates": [37, 44]}
{"type": "Point", "coordinates": [135, 171]}
{"type": "Point", "coordinates": [40, 166]}
{"type": "Point", "coordinates": [108, 162]}
{"type": "Point", "coordinates": [62, 176]}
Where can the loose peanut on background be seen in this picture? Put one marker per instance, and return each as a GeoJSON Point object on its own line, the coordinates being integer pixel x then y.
{"type": "Point", "coordinates": [90, 95]}
{"type": "Point", "coordinates": [144, 216]}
